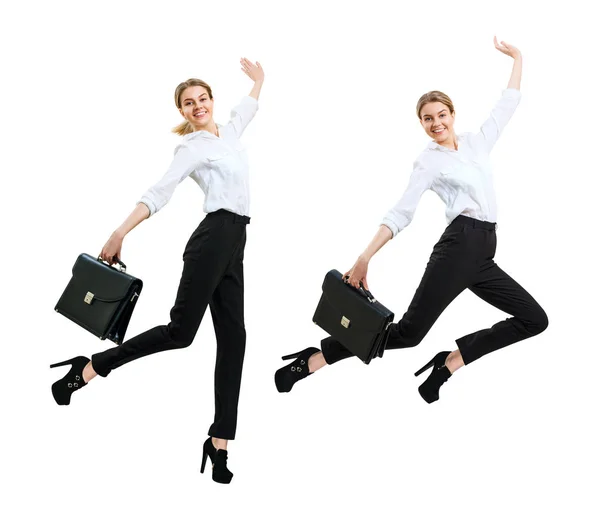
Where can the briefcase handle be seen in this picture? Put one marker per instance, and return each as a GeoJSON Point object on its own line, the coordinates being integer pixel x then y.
{"type": "Point", "coordinates": [364, 291]}
{"type": "Point", "coordinates": [119, 262]}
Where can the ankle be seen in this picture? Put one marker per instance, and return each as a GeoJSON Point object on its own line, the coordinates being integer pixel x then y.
{"type": "Point", "coordinates": [88, 373]}
{"type": "Point", "coordinates": [454, 361]}
{"type": "Point", "coordinates": [316, 361]}
{"type": "Point", "coordinates": [219, 444]}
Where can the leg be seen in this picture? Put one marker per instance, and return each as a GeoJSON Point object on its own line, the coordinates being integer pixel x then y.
{"type": "Point", "coordinates": [203, 265]}
{"type": "Point", "coordinates": [499, 289]}
{"type": "Point", "coordinates": [227, 310]}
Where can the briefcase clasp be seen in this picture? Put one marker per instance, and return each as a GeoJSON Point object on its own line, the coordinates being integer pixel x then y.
{"type": "Point", "coordinates": [345, 322]}
{"type": "Point", "coordinates": [89, 296]}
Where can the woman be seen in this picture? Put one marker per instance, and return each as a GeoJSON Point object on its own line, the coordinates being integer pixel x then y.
{"type": "Point", "coordinates": [212, 276]}
{"type": "Point", "coordinates": [457, 169]}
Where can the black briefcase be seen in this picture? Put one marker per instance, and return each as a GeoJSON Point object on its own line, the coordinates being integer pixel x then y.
{"type": "Point", "coordinates": [353, 317]}
{"type": "Point", "coordinates": [100, 298]}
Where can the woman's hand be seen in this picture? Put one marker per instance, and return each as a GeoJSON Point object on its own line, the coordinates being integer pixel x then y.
{"type": "Point", "coordinates": [358, 273]}
{"type": "Point", "coordinates": [507, 49]}
{"type": "Point", "coordinates": [253, 71]}
{"type": "Point", "coordinates": [112, 249]}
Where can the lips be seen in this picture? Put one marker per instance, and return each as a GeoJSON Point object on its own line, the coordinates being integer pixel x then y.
{"type": "Point", "coordinates": [438, 131]}
{"type": "Point", "coordinates": [200, 114]}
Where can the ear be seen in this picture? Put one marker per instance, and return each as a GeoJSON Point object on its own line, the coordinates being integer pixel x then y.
{"type": "Point", "coordinates": [181, 111]}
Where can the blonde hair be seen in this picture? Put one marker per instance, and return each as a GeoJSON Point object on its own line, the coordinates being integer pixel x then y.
{"type": "Point", "coordinates": [185, 127]}
{"type": "Point", "coordinates": [433, 97]}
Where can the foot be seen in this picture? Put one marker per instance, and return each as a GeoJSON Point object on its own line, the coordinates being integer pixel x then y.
{"type": "Point", "coordinates": [218, 458]}
{"type": "Point", "coordinates": [287, 376]}
{"type": "Point", "coordinates": [430, 388]}
{"type": "Point", "coordinates": [71, 382]}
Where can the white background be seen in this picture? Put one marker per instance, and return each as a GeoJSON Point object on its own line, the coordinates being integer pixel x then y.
{"type": "Point", "coordinates": [87, 108]}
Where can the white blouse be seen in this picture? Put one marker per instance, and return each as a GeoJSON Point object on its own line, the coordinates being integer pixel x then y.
{"type": "Point", "coordinates": [461, 178]}
{"type": "Point", "coordinates": [218, 165]}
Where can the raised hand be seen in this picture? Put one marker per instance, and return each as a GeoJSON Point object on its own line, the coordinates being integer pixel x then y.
{"type": "Point", "coordinates": [507, 49]}
{"type": "Point", "coordinates": [252, 70]}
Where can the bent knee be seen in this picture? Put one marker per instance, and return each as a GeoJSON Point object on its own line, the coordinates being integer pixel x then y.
{"type": "Point", "coordinates": [538, 324]}
{"type": "Point", "coordinates": [182, 341]}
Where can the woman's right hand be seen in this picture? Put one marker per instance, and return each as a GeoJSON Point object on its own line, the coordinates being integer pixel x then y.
{"type": "Point", "coordinates": [358, 273]}
{"type": "Point", "coordinates": [112, 249]}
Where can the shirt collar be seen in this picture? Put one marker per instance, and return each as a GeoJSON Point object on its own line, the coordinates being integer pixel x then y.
{"type": "Point", "coordinates": [434, 145]}
{"type": "Point", "coordinates": [203, 134]}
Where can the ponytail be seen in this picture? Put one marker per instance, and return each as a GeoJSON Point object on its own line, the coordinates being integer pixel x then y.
{"type": "Point", "coordinates": [183, 129]}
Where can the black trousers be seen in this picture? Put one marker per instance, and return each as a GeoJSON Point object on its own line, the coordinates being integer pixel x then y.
{"type": "Point", "coordinates": [212, 276]}
{"type": "Point", "coordinates": [462, 258]}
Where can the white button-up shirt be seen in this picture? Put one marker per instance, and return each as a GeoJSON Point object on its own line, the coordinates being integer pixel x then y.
{"type": "Point", "coordinates": [218, 165]}
{"type": "Point", "coordinates": [461, 178]}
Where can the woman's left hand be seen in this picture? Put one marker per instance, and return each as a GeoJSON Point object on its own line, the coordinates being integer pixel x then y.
{"type": "Point", "coordinates": [507, 49]}
{"type": "Point", "coordinates": [253, 71]}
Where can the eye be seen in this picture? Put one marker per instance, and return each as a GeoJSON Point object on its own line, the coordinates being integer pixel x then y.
{"type": "Point", "coordinates": [443, 115]}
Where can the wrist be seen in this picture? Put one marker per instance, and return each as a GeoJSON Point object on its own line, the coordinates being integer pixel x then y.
{"type": "Point", "coordinates": [119, 233]}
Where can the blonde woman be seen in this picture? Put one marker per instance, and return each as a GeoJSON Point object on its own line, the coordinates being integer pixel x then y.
{"type": "Point", "coordinates": [211, 154]}
{"type": "Point", "coordinates": [458, 170]}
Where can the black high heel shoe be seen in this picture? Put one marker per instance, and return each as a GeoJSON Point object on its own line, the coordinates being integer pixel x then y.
{"type": "Point", "coordinates": [72, 381]}
{"type": "Point", "coordinates": [295, 371]}
{"type": "Point", "coordinates": [220, 473]}
{"type": "Point", "coordinates": [430, 388]}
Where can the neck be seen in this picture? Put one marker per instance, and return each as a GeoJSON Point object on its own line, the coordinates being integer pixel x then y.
{"type": "Point", "coordinates": [451, 142]}
{"type": "Point", "coordinates": [211, 127]}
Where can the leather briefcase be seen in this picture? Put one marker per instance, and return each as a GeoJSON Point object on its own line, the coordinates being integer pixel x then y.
{"type": "Point", "coordinates": [100, 298]}
{"type": "Point", "coordinates": [353, 317]}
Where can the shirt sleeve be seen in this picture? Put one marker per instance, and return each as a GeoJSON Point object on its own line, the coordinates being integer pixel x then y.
{"type": "Point", "coordinates": [492, 128]}
{"type": "Point", "coordinates": [242, 114]}
{"type": "Point", "coordinates": [400, 216]}
{"type": "Point", "coordinates": [181, 167]}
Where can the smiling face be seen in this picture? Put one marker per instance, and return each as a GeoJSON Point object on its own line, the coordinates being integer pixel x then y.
{"type": "Point", "coordinates": [438, 122]}
{"type": "Point", "coordinates": [196, 106]}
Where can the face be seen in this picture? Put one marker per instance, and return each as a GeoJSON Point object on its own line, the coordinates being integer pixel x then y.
{"type": "Point", "coordinates": [437, 121]}
{"type": "Point", "coordinates": [197, 107]}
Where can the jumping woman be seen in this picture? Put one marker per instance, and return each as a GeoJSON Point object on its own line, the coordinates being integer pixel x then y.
{"type": "Point", "coordinates": [211, 154]}
{"type": "Point", "coordinates": [458, 170]}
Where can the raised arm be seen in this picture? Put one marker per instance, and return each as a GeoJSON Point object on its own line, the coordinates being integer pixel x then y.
{"type": "Point", "coordinates": [245, 111]}
{"type": "Point", "coordinates": [492, 128]}
{"type": "Point", "coordinates": [515, 53]}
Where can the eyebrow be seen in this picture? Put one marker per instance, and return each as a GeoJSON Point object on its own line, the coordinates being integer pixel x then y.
{"type": "Point", "coordinates": [191, 99]}
{"type": "Point", "coordinates": [442, 110]}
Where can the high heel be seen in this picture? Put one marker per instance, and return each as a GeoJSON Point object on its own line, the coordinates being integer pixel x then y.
{"type": "Point", "coordinates": [430, 388]}
{"type": "Point", "coordinates": [295, 371]}
{"type": "Point", "coordinates": [72, 381]}
{"type": "Point", "coordinates": [218, 458]}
